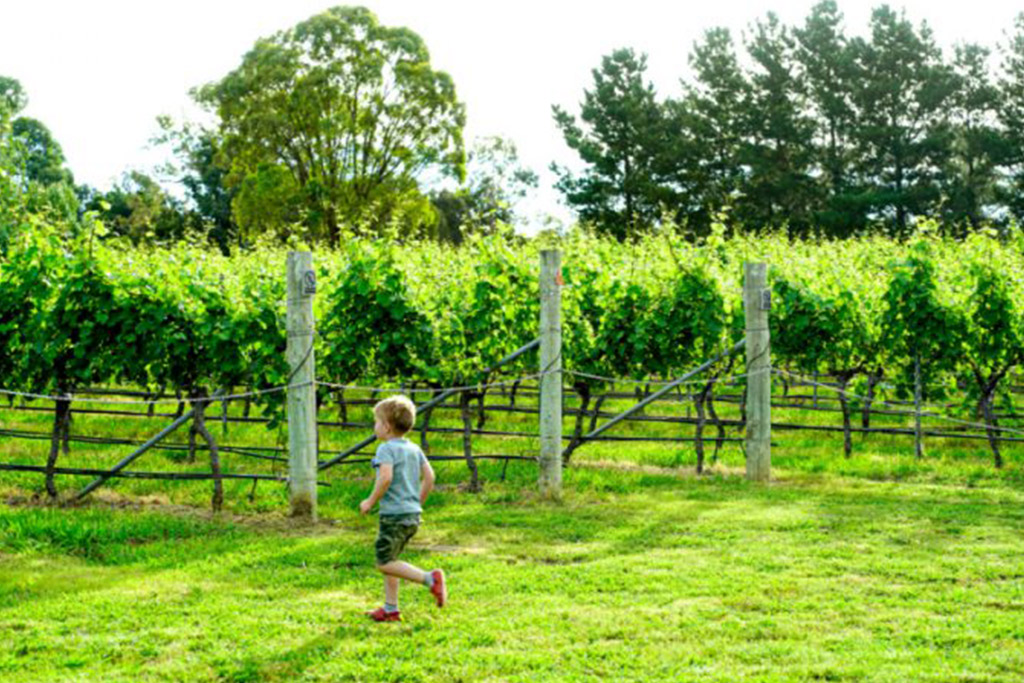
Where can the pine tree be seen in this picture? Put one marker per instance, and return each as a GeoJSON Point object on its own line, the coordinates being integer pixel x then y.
{"type": "Point", "coordinates": [902, 133]}
{"type": "Point", "coordinates": [621, 137]}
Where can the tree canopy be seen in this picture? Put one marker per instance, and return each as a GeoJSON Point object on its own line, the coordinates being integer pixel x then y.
{"type": "Point", "coordinates": [331, 123]}
{"type": "Point", "coordinates": [810, 131]}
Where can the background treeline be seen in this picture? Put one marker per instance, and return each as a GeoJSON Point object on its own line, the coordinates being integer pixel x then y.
{"type": "Point", "coordinates": [336, 125]}
{"type": "Point", "coordinates": [340, 125]}
{"type": "Point", "coordinates": [807, 128]}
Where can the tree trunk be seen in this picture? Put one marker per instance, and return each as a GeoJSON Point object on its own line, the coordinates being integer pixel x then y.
{"type": "Point", "coordinates": [865, 417]}
{"type": "Point", "coordinates": [481, 419]}
{"type": "Point", "coordinates": [990, 420]}
{"type": "Point", "coordinates": [425, 424]}
{"type": "Point", "coordinates": [66, 436]}
{"type": "Point", "coordinates": [224, 417]}
{"type": "Point", "coordinates": [342, 406]}
{"type": "Point", "coordinates": [918, 436]}
{"type": "Point", "coordinates": [698, 442]}
{"type": "Point", "coordinates": [845, 406]}
{"type": "Point", "coordinates": [584, 392]}
{"type": "Point", "coordinates": [192, 433]}
{"type": "Point", "coordinates": [199, 427]}
{"type": "Point", "coordinates": [595, 415]}
{"type": "Point", "coordinates": [151, 411]}
{"type": "Point", "coordinates": [60, 414]}
{"type": "Point", "coordinates": [720, 439]}
{"type": "Point", "coordinates": [467, 441]}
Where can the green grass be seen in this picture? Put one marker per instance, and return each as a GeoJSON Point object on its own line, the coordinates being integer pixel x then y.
{"type": "Point", "coordinates": [876, 568]}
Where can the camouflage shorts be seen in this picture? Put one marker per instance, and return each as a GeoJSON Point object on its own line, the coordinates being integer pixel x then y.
{"type": "Point", "coordinates": [395, 531]}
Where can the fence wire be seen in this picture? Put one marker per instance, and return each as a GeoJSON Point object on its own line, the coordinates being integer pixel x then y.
{"type": "Point", "coordinates": [898, 410]}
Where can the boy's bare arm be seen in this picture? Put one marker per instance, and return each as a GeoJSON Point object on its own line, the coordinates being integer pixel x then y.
{"type": "Point", "coordinates": [380, 487]}
{"type": "Point", "coordinates": [427, 485]}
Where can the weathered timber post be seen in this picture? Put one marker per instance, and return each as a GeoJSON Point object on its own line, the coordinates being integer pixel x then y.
{"type": "Point", "coordinates": [756, 302]}
{"type": "Point", "coordinates": [550, 479]}
{"type": "Point", "coordinates": [302, 435]}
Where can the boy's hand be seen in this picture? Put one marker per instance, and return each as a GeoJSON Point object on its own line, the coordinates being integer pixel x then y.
{"type": "Point", "coordinates": [366, 506]}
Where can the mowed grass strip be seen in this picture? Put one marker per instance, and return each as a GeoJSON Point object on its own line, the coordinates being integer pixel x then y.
{"type": "Point", "coordinates": [636, 576]}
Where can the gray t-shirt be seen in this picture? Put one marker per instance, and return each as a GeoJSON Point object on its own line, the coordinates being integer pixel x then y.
{"type": "Point", "coordinates": [406, 459]}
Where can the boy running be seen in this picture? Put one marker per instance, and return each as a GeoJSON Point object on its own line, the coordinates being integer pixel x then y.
{"type": "Point", "coordinates": [400, 466]}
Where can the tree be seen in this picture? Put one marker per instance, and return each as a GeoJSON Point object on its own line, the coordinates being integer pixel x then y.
{"type": "Point", "coordinates": [197, 149]}
{"type": "Point", "coordinates": [33, 179]}
{"type": "Point", "coordinates": [902, 133]}
{"type": "Point", "coordinates": [828, 73]}
{"type": "Point", "coordinates": [41, 157]}
{"type": "Point", "coordinates": [777, 135]}
{"type": "Point", "coordinates": [495, 181]}
{"type": "Point", "coordinates": [621, 138]}
{"type": "Point", "coordinates": [1011, 116]}
{"type": "Point", "coordinates": [12, 98]}
{"type": "Point", "coordinates": [351, 110]}
{"type": "Point", "coordinates": [139, 209]}
{"type": "Point", "coordinates": [970, 177]}
{"type": "Point", "coordinates": [712, 111]}
{"type": "Point", "coordinates": [12, 101]}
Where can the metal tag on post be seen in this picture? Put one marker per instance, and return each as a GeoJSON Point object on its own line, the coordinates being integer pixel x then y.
{"type": "Point", "coordinates": [766, 299]}
{"type": "Point", "coordinates": [309, 283]}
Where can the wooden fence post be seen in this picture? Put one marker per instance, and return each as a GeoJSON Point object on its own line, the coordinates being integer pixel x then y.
{"type": "Point", "coordinates": [550, 479]}
{"type": "Point", "coordinates": [302, 434]}
{"type": "Point", "coordinates": [756, 302]}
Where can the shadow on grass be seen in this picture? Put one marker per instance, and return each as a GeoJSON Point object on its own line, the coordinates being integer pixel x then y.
{"type": "Point", "coordinates": [289, 665]}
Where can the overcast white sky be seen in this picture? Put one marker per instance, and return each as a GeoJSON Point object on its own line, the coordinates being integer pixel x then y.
{"type": "Point", "coordinates": [98, 72]}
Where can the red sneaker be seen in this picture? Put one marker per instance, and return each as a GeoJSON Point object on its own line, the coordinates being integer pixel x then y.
{"type": "Point", "coordinates": [380, 614]}
{"type": "Point", "coordinates": [439, 589]}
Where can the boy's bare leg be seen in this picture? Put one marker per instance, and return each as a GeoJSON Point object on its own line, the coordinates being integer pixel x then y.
{"type": "Point", "coordinates": [403, 570]}
{"type": "Point", "coordinates": [391, 590]}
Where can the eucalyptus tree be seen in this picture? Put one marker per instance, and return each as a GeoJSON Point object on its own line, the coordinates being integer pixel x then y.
{"type": "Point", "coordinates": [12, 98]}
{"type": "Point", "coordinates": [495, 181]}
{"type": "Point", "coordinates": [336, 119]}
{"type": "Point", "coordinates": [42, 159]}
{"type": "Point", "coordinates": [195, 149]}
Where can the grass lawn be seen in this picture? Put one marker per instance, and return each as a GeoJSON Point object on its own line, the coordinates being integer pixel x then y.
{"type": "Point", "coordinates": [876, 568]}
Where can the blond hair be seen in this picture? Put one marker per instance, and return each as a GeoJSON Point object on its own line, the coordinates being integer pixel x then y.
{"type": "Point", "coordinates": [397, 412]}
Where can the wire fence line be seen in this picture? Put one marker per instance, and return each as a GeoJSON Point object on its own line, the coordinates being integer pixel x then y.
{"type": "Point", "coordinates": [84, 397]}
{"type": "Point", "coordinates": [594, 413]}
{"type": "Point", "coordinates": [897, 408]}
{"type": "Point", "coordinates": [968, 423]}
{"type": "Point", "coordinates": [731, 379]}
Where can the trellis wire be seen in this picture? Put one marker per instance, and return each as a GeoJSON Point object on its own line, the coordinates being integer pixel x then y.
{"type": "Point", "coordinates": [976, 425]}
